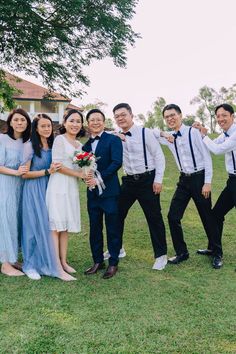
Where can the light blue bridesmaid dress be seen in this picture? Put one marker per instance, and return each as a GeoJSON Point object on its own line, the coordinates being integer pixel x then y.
{"type": "Point", "coordinates": [11, 152]}
{"type": "Point", "coordinates": [37, 243]}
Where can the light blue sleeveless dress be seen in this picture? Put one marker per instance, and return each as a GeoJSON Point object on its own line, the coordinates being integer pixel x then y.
{"type": "Point", "coordinates": [11, 152]}
{"type": "Point", "coordinates": [37, 243]}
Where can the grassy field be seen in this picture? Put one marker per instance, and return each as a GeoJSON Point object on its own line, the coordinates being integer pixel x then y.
{"type": "Point", "coordinates": [189, 308]}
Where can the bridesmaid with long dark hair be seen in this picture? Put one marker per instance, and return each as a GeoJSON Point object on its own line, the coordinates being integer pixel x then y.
{"type": "Point", "coordinates": [37, 245]}
{"type": "Point", "coordinates": [11, 170]}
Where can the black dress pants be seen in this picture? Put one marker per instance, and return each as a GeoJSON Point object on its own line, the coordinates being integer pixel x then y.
{"type": "Point", "coordinates": [225, 202]}
{"type": "Point", "coordinates": [141, 189]}
{"type": "Point", "coordinates": [191, 187]}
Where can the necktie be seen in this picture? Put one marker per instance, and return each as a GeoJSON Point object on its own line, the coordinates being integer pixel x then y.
{"type": "Point", "coordinates": [127, 133]}
{"type": "Point", "coordinates": [93, 139]}
{"type": "Point", "coordinates": [226, 134]}
{"type": "Point", "coordinates": [175, 135]}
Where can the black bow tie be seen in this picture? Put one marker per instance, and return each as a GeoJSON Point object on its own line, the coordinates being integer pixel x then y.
{"type": "Point", "coordinates": [226, 134]}
{"type": "Point", "coordinates": [93, 139]}
{"type": "Point", "coordinates": [175, 135]}
{"type": "Point", "coordinates": [127, 133]}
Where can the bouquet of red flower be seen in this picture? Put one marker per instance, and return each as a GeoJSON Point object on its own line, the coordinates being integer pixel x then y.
{"type": "Point", "coordinates": [85, 160]}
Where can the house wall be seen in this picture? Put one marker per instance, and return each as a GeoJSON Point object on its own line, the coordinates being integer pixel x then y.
{"type": "Point", "coordinates": [49, 107]}
{"type": "Point", "coordinates": [24, 105]}
{"type": "Point", "coordinates": [54, 109]}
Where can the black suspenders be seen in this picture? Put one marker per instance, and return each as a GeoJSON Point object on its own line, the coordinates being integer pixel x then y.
{"type": "Point", "coordinates": [144, 149]}
{"type": "Point", "coordinates": [232, 153]}
{"type": "Point", "coordinates": [233, 158]}
{"type": "Point", "coordinates": [191, 149]}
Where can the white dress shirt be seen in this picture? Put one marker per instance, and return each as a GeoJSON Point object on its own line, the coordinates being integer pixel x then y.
{"type": "Point", "coordinates": [224, 145]}
{"type": "Point", "coordinates": [133, 154]}
{"type": "Point", "coordinates": [94, 144]}
{"type": "Point", "coordinates": [201, 153]}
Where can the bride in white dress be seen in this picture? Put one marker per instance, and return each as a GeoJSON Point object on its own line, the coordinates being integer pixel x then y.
{"type": "Point", "coordinates": [62, 196]}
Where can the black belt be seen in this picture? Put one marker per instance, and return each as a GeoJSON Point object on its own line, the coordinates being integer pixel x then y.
{"type": "Point", "coordinates": [137, 176]}
{"type": "Point", "coordinates": [192, 174]}
{"type": "Point", "coordinates": [231, 175]}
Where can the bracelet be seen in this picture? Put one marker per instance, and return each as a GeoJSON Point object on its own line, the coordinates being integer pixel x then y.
{"type": "Point", "coordinates": [46, 173]}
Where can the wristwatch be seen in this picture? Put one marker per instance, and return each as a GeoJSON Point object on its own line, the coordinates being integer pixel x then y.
{"type": "Point", "coordinates": [46, 173]}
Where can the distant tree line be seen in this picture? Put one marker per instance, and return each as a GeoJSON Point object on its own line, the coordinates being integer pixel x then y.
{"type": "Point", "coordinates": [206, 101]}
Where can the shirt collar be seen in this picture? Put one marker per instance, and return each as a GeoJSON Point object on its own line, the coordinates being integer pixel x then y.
{"type": "Point", "coordinates": [231, 130]}
{"type": "Point", "coordinates": [181, 129]}
{"type": "Point", "coordinates": [132, 128]}
{"type": "Point", "coordinates": [100, 134]}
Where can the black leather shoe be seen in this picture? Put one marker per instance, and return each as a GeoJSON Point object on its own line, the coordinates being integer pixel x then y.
{"type": "Point", "coordinates": [94, 268]}
{"type": "Point", "coordinates": [217, 262]}
{"type": "Point", "coordinates": [205, 252]}
{"type": "Point", "coordinates": [178, 259]}
{"type": "Point", "coordinates": [110, 272]}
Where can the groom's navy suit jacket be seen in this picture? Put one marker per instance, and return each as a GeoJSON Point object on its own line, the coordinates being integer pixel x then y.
{"type": "Point", "coordinates": [109, 152]}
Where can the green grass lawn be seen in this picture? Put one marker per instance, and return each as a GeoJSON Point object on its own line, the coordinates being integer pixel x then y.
{"type": "Point", "coordinates": [189, 308]}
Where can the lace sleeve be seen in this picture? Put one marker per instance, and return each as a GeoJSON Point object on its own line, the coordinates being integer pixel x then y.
{"type": "Point", "coordinates": [28, 152]}
{"type": "Point", "coordinates": [2, 150]}
{"type": "Point", "coordinates": [58, 149]}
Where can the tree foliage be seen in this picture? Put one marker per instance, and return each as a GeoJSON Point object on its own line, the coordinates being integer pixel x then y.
{"type": "Point", "coordinates": [97, 104]}
{"type": "Point", "coordinates": [207, 100]}
{"type": "Point", "coordinates": [109, 123]}
{"type": "Point", "coordinates": [189, 119]}
{"type": "Point", "coordinates": [140, 119]}
{"type": "Point", "coordinates": [6, 93]}
{"type": "Point", "coordinates": [55, 39]}
{"type": "Point", "coordinates": [155, 118]}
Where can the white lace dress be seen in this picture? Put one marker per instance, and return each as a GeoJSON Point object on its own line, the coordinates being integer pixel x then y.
{"type": "Point", "coordinates": [62, 197]}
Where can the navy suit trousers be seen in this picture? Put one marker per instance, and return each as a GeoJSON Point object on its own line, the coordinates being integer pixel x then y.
{"type": "Point", "coordinates": [98, 208]}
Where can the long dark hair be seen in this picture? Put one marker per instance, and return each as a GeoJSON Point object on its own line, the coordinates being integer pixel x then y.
{"type": "Point", "coordinates": [10, 131]}
{"type": "Point", "coordinates": [35, 137]}
{"type": "Point", "coordinates": [67, 114]}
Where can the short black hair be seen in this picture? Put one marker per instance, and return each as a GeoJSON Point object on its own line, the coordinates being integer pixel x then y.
{"type": "Point", "coordinates": [122, 105]}
{"type": "Point", "coordinates": [10, 131]}
{"type": "Point", "coordinates": [227, 107]}
{"type": "Point", "coordinates": [95, 110]}
{"type": "Point", "coordinates": [171, 106]}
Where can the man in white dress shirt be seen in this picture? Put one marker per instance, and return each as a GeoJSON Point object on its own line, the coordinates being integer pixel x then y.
{"type": "Point", "coordinates": [224, 144]}
{"type": "Point", "coordinates": [144, 164]}
{"type": "Point", "coordinates": [194, 162]}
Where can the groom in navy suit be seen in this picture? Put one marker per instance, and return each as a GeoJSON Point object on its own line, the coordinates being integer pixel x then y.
{"type": "Point", "coordinates": [108, 150]}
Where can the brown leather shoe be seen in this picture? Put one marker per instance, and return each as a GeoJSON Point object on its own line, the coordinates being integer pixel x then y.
{"type": "Point", "coordinates": [110, 272]}
{"type": "Point", "coordinates": [94, 268]}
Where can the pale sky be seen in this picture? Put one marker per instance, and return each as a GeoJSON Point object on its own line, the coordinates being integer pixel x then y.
{"type": "Point", "coordinates": [185, 44]}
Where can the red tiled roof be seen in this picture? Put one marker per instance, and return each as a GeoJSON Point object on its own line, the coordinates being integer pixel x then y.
{"type": "Point", "coordinates": [32, 91]}
{"type": "Point", "coordinates": [72, 106]}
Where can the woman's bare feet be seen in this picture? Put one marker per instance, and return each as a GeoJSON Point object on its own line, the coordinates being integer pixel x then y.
{"type": "Point", "coordinates": [66, 277]}
{"type": "Point", "coordinates": [9, 270]}
{"type": "Point", "coordinates": [68, 268]}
